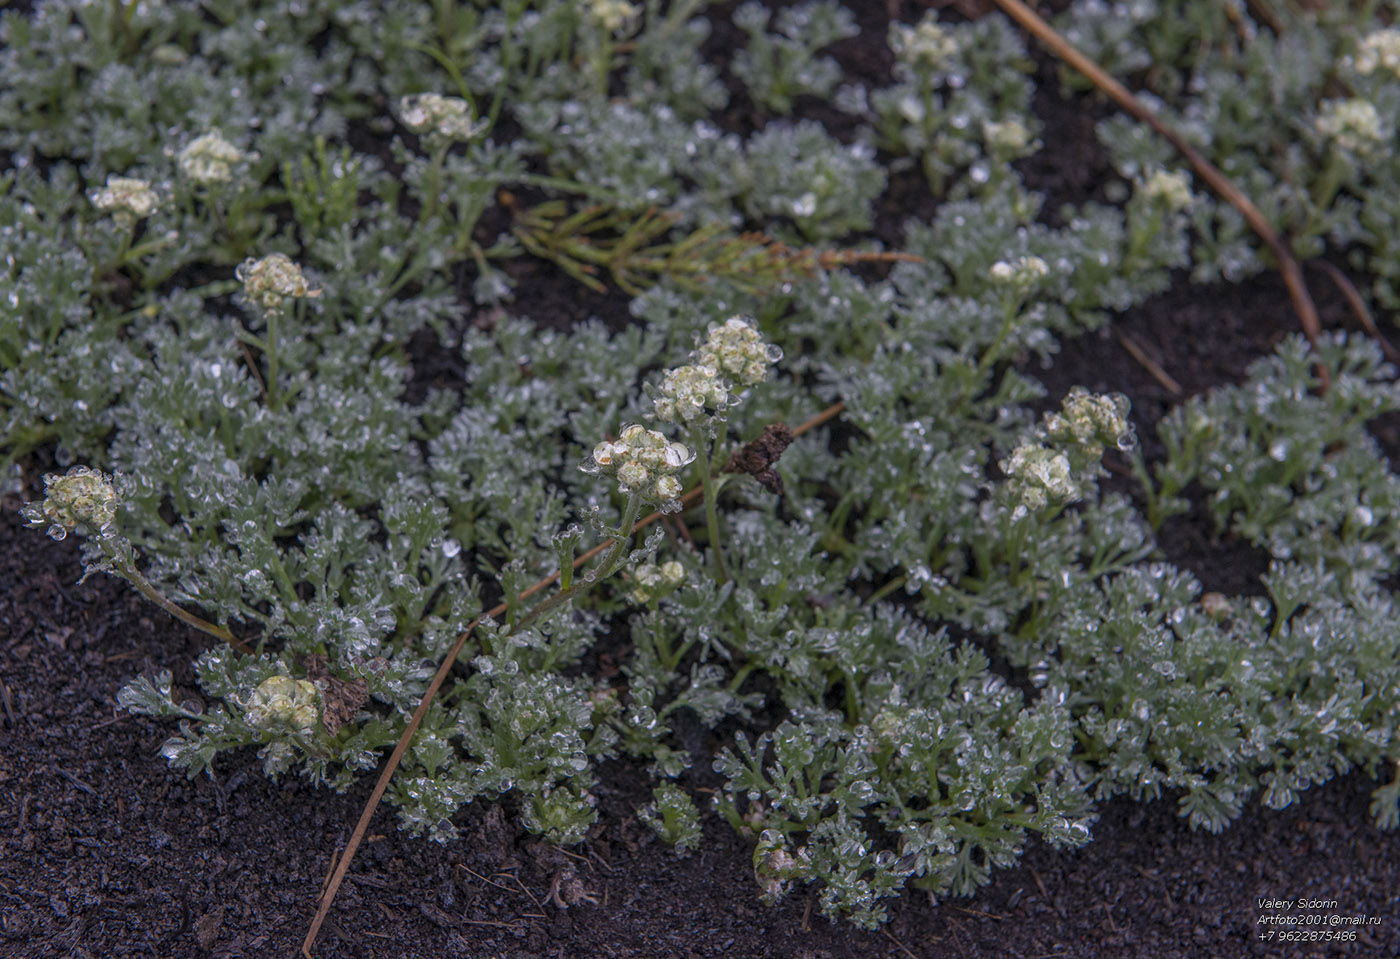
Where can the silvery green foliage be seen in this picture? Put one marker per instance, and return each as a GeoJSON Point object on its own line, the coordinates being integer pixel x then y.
{"type": "Point", "coordinates": [61, 366]}
{"type": "Point", "coordinates": [673, 816]}
{"type": "Point", "coordinates": [1263, 106]}
{"type": "Point", "coordinates": [91, 82]}
{"type": "Point", "coordinates": [776, 67]}
{"type": "Point", "coordinates": [960, 108]}
{"type": "Point", "coordinates": [349, 522]}
{"type": "Point", "coordinates": [1294, 472]}
{"type": "Point", "coordinates": [638, 156]}
{"type": "Point", "coordinates": [1218, 698]}
{"type": "Point", "coordinates": [932, 748]}
{"type": "Point", "coordinates": [663, 70]}
{"type": "Point", "coordinates": [799, 174]}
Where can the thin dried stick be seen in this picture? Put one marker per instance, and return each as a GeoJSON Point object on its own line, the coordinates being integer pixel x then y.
{"type": "Point", "coordinates": [1148, 363]}
{"type": "Point", "coordinates": [1358, 306]}
{"type": "Point", "coordinates": [1288, 263]}
{"type": "Point", "coordinates": [342, 866]}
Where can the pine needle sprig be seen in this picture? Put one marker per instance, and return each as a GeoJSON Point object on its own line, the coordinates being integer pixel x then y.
{"type": "Point", "coordinates": [633, 248]}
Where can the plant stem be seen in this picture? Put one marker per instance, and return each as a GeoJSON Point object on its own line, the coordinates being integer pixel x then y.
{"type": "Point", "coordinates": [270, 317]}
{"type": "Point", "coordinates": [717, 570]}
{"type": "Point", "coordinates": [128, 571]}
{"type": "Point", "coordinates": [885, 590]}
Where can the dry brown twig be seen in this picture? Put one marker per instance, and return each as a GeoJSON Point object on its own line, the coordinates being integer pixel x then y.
{"type": "Point", "coordinates": [341, 866]}
{"type": "Point", "coordinates": [1358, 306]}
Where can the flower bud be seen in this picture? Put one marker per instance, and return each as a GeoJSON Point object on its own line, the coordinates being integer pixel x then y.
{"type": "Point", "coordinates": [126, 198]}
{"type": "Point", "coordinates": [736, 349]}
{"type": "Point", "coordinates": [210, 159]}
{"type": "Point", "coordinates": [432, 114]}
{"type": "Point", "coordinates": [281, 701]}
{"type": "Point", "coordinates": [272, 280]}
{"type": "Point", "coordinates": [81, 499]}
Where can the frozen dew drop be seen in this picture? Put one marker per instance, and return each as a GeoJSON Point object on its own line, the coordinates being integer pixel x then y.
{"type": "Point", "coordinates": [450, 548]}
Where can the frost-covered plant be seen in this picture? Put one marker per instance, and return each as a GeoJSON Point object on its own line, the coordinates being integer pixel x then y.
{"type": "Point", "coordinates": [961, 103]}
{"type": "Point", "coordinates": [86, 501]}
{"type": "Point", "coordinates": [298, 485]}
{"type": "Point", "coordinates": [673, 816]}
{"type": "Point", "coordinates": [645, 464]}
{"type": "Point", "coordinates": [777, 67]}
{"type": "Point", "coordinates": [1378, 52]}
{"type": "Point", "coordinates": [273, 280]}
{"type": "Point", "coordinates": [283, 701]}
{"type": "Point", "coordinates": [81, 499]}
{"type": "Point", "coordinates": [1297, 118]}
{"type": "Point", "coordinates": [1291, 471]}
{"type": "Point", "coordinates": [799, 173]}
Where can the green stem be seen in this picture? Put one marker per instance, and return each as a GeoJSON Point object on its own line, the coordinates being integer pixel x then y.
{"type": "Point", "coordinates": [885, 590]}
{"type": "Point", "coordinates": [270, 317]}
{"type": "Point", "coordinates": [1010, 311]}
{"type": "Point", "coordinates": [612, 561]}
{"type": "Point", "coordinates": [1141, 236]}
{"type": "Point", "coordinates": [717, 570]}
{"type": "Point", "coordinates": [741, 675]}
{"type": "Point", "coordinates": [1155, 519]}
{"type": "Point", "coordinates": [513, 12]}
{"type": "Point", "coordinates": [433, 183]}
{"type": "Point", "coordinates": [131, 574]}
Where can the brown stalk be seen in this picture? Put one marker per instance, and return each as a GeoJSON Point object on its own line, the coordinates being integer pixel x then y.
{"type": "Point", "coordinates": [1207, 171]}
{"type": "Point", "coordinates": [1358, 306]}
{"type": "Point", "coordinates": [341, 866]}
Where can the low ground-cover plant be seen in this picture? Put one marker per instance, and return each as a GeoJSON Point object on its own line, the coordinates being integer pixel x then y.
{"type": "Point", "coordinates": [214, 318]}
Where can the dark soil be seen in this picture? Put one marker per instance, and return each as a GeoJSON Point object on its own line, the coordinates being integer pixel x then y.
{"type": "Point", "coordinates": [105, 852]}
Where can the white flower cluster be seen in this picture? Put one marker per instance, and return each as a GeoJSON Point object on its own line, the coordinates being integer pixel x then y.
{"type": "Point", "coordinates": [284, 702]}
{"type": "Point", "coordinates": [1171, 189]}
{"type": "Point", "coordinates": [736, 349]}
{"type": "Point", "coordinates": [688, 391]}
{"type": "Point", "coordinates": [612, 15]}
{"type": "Point", "coordinates": [80, 498]}
{"type": "Point", "coordinates": [653, 579]}
{"type": "Point", "coordinates": [928, 45]}
{"type": "Point", "coordinates": [210, 159]}
{"type": "Point", "coordinates": [1007, 136]}
{"type": "Point", "coordinates": [643, 461]}
{"type": "Point", "coordinates": [1037, 476]}
{"type": "Point", "coordinates": [271, 281]}
{"type": "Point", "coordinates": [733, 355]}
{"type": "Point", "coordinates": [126, 198]}
{"type": "Point", "coordinates": [436, 115]}
{"type": "Point", "coordinates": [1380, 50]}
{"type": "Point", "coordinates": [1060, 464]}
{"type": "Point", "coordinates": [1091, 421]}
{"type": "Point", "coordinates": [1021, 275]}
{"type": "Point", "coordinates": [1354, 125]}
